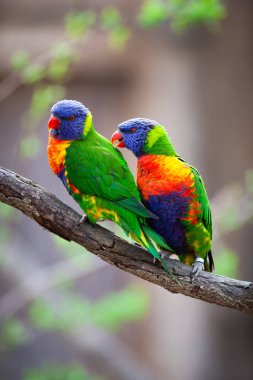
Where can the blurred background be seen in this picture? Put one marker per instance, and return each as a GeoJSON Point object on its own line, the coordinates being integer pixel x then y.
{"type": "Point", "coordinates": [185, 63]}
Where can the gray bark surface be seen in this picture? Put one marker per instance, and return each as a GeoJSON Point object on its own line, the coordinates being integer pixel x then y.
{"type": "Point", "coordinates": [48, 211]}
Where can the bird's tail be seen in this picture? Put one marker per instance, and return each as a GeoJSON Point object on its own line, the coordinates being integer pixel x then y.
{"type": "Point", "coordinates": [149, 239]}
{"type": "Point", "coordinates": [209, 262]}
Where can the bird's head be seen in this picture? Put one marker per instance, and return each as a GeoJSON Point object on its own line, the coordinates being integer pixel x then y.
{"type": "Point", "coordinates": [70, 120]}
{"type": "Point", "coordinates": [139, 135]}
{"type": "Point", "coordinates": [133, 134]}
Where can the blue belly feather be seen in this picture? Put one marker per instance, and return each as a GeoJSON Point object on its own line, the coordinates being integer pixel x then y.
{"type": "Point", "coordinates": [169, 208]}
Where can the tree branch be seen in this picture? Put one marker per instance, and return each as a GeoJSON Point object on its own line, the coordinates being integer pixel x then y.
{"type": "Point", "coordinates": [52, 214]}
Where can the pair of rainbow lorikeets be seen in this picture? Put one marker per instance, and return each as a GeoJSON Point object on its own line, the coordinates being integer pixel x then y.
{"type": "Point", "coordinates": [169, 207]}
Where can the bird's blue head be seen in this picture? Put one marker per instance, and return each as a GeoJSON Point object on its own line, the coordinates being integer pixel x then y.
{"type": "Point", "coordinates": [70, 120]}
{"type": "Point", "coordinates": [133, 134]}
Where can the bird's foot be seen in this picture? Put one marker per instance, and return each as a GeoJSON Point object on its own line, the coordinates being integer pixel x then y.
{"type": "Point", "coordinates": [197, 268]}
{"type": "Point", "coordinates": [83, 219]}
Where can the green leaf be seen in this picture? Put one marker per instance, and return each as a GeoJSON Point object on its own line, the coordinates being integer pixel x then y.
{"type": "Point", "coordinates": [118, 308]}
{"type": "Point", "coordinates": [70, 314]}
{"type": "Point", "coordinates": [42, 100]}
{"type": "Point", "coordinates": [55, 371]}
{"type": "Point", "coordinates": [181, 13]}
{"type": "Point", "coordinates": [19, 60]}
{"type": "Point", "coordinates": [198, 12]}
{"type": "Point", "coordinates": [110, 18]}
{"type": "Point", "coordinates": [6, 212]}
{"type": "Point", "coordinates": [33, 73]}
{"type": "Point", "coordinates": [30, 147]}
{"type": "Point", "coordinates": [226, 262]}
{"type": "Point", "coordinates": [152, 13]}
{"type": "Point", "coordinates": [43, 316]}
{"type": "Point", "coordinates": [77, 23]}
{"type": "Point", "coordinates": [58, 69]}
{"type": "Point", "coordinates": [110, 312]}
{"type": "Point", "coordinates": [61, 50]}
{"type": "Point", "coordinates": [118, 37]}
{"type": "Point", "coordinates": [62, 57]}
{"type": "Point", "coordinates": [13, 333]}
{"type": "Point", "coordinates": [230, 220]}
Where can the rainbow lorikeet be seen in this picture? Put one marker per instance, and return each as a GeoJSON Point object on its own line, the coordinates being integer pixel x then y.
{"type": "Point", "coordinates": [96, 174]}
{"type": "Point", "coordinates": [173, 190]}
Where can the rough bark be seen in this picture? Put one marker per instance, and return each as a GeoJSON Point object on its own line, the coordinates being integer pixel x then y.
{"type": "Point", "coordinates": [52, 214]}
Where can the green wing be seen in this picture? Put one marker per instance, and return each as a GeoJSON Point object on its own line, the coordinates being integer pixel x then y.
{"type": "Point", "coordinates": [95, 167]}
{"type": "Point", "coordinates": [202, 197]}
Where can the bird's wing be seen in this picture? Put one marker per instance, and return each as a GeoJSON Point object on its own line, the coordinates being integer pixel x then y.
{"type": "Point", "coordinates": [101, 171]}
{"type": "Point", "coordinates": [202, 197]}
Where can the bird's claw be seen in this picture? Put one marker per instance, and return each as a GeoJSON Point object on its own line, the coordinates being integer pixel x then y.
{"type": "Point", "coordinates": [83, 219]}
{"type": "Point", "coordinates": [197, 268]}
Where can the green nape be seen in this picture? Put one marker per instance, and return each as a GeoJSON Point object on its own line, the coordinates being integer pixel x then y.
{"type": "Point", "coordinates": [158, 142]}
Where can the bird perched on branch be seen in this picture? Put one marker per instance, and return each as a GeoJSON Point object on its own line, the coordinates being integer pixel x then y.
{"type": "Point", "coordinates": [173, 190]}
{"type": "Point", "coordinates": [96, 174]}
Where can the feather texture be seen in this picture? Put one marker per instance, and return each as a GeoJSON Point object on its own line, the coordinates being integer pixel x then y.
{"type": "Point", "coordinates": [97, 176]}
{"type": "Point", "coordinates": [170, 188]}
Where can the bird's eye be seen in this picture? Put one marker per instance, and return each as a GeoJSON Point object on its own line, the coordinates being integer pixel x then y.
{"type": "Point", "coordinates": [70, 118]}
{"type": "Point", "coordinates": [128, 131]}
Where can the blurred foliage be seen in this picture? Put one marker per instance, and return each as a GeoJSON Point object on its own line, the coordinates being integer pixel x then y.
{"type": "Point", "coordinates": [42, 100]}
{"type": "Point", "coordinates": [237, 205]}
{"type": "Point", "coordinates": [13, 333]}
{"type": "Point", "coordinates": [55, 65]}
{"type": "Point", "coordinates": [30, 146]}
{"type": "Point", "coordinates": [33, 73]}
{"type": "Point", "coordinates": [181, 13]}
{"type": "Point", "coordinates": [79, 22]}
{"type": "Point", "coordinates": [226, 262]}
{"type": "Point", "coordinates": [111, 312]}
{"type": "Point", "coordinates": [110, 18]}
{"type": "Point", "coordinates": [55, 371]}
{"type": "Point", "coordinates": [118, 37]}
{"type": "Point", "coordinates": [7, 215]}
{"type": "Point", "coordinates": [71, 249]}
{"type": "Point", "coordinates": [19, 60]}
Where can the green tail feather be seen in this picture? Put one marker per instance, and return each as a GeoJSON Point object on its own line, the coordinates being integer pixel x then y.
{"type": "Point", "coordinates": [151, 248]}
{"type": "Point", "coordinates": [156, 238]}
{"type": "Point", "coordinates": [209, 262]}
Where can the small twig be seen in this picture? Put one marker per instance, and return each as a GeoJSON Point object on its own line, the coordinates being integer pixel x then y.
{"type": "Point", "coordinates": [52, 214]}
{"type": "Point", "coordinates": [12, 81]}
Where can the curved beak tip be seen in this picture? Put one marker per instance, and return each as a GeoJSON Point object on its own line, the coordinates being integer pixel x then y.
{"type": "Point", "coordinates": [117, 140]}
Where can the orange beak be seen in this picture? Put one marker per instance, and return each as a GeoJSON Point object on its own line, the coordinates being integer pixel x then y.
{"type": "Point", "coordinates": [53, 123]}
{"type": "Point", "coordinates": [118, 139]}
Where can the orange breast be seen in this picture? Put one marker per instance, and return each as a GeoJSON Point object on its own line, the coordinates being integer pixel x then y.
{"type": "Point", "coordinates": [56, 151]}
{"type": "Point", "coordinates": [163, 175]}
